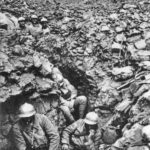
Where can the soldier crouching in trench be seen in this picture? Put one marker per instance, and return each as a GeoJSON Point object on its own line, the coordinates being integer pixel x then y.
{"type": "Point", "coordinates": [34, 131]}
{"type": "Point", "coordinates": [83, 134]}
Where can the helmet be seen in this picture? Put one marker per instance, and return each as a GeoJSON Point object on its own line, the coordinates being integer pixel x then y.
{"type": "Point", "coordinates": [21, 19]}
{"type": "Point", "coordinates": [146, 131]}
{"type": "Point", "coordinates": [91, 118]}
{"type": "Point", "coordinates": [43, 20]}
{"type": "Point", "coordinates": [34, 17]}
{"type": "Point", "coordinates": [26, 110]}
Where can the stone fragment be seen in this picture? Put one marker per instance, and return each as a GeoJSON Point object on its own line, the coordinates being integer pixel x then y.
{"type": "Point", "coordinates": [17, 50]}
{"type": "Point", "coordinates": [116, 46]}
{"type": "Point", "coordinates": [127, 6]}
{"type": "Point", "coordinates": [4, 94]}
{"type": "Point", "coordinates": [2, 81]}
{"type": "Point", "coordinates": [26, 79]}
{"type": "Point", "coordinates": [13, 76]}
{"type": "Point", "coordinates": [147, 36]}
{"type": "Point", "coordinates": [114, 16]}
{"type": "Point", "coordinates": [119, 29]}
{"type": "Point", "coordinates": [18, 64]}
{"type": "Point", "coordinates": [80, 50]}
{"type": "Point", "coordinates": [46, 66]}
{"type": "Point", "coordinates": [27, 61]}
{"type": "Point", "coordinates": [105, 28]}
{"type": "Point", "coordinates": [144, 25]}
{"type": "Point", "coordinates": [43, 85]}
{"type": "Point", "coordinates": [123, 73]}
{"type": "Point", "coordinates": [8, 67]}
{"type": "Point", "coordinates": [15, 90]}
{"type": "Point", "coordinates": [134, 38]}
{"type": "Point", "coordinates": [120, 38]}
{"type": "Point", "coordinates": [140, 44]}
{"type": "Point", "coordinates": [36, 60]}
{"type": "Point", "coordinates": [145, 65]}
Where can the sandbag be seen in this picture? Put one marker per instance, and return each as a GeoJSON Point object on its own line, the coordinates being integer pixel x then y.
{"type": "Point", "coordinates": [141, 55]}
{"type": "Point", "coordinates": [109, 135]}
{"type": "Point", "coordinates": [123, 106]}
{"type": "Point", "coordinates": [122, 73]}
{"type": "Point", "coordinates": [138, 148]}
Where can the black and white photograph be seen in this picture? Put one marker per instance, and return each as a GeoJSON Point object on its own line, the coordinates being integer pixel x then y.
{"type": "Point", "coordinates": [74, 74]}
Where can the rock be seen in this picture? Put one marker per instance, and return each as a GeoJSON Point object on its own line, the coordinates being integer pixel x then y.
{"type": "Point", "coordinates": [114, 16]}
{"type": "Point", "coordinates": [145, 65]}
{"type": "Point", "coordinates": [17, 64]}
{"type": "Point", "coordinates": [141, 55]}
{"type": "Point", "coordinates": [9, 20]}
{"type": "Point", "coordinates": [134, 38]}
{"type": "Point", "coordinates": [8, 67]}
{"type": "Point", "coordinates": [43, 85]}
{"type": "Point", "coordinates": [15, 90]}
{"type": "Point", "coordinates": [26, 79]}
{"type": "Point", "coordinates": [18, 50]}
{"type": "Point", "coordinates": [127, 6]}
{"type": "Point", "coordinates": [123, 73]}
{"type": "Point", "coordinates": [2, 81]}
{"type": "Point", "coordinates": [13, 76]}
{"type": "Point", "coordinates": [147, 36]}
{"type": "Point", "coordinates": [4, 94]}
{"type": "Point", "coordinates": [46, 66]}
{"type": "Point", "coordinates": [116, 46]}
{"type": "Point", "coordinates": [140, 44]}
{"type": "Point", "coordinates": [105, 28]}
{"type": "Point", "coordinates": [36, 60]}
{"type": "Point", "coordinates": [5, 65]}
{"type": "Point", "coordinates": [27, 61]}
{"type": "Point", "coordinates": [89, 63]}
{"type": "Point", "coordinates": [144, 25]}
{"type": "Point", "coordinates": [34, 96]}
{"type": "Point", "coordinates": [120, 38]}
{"type": "Point", "coordinates": [119, 29]}
{"type": "Point", "coordinates": [80, 50]}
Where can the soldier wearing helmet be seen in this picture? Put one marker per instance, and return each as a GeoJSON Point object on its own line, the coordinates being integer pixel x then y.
{"type": "Point", "coordinates": [45, 27]}
{"type": "Point", "coordinates": [82, 134]}
{"type": "Point", "coordinates": [34, 131]}
{"type": "Point", "coordinates": [35, 29]}
{"type": "Point", "coordinates": [72, 105]}
{"type": "Point", "coordinates": [22, 21]}
{"type": "Point", "coordinates": [34, 19]}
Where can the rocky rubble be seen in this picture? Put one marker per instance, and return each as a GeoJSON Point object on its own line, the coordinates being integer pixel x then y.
{"type": "Point", "coordinates": [102, 50]}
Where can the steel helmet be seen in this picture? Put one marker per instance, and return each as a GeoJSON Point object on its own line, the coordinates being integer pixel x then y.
{"type": "Point", "coordinates": [34, 17]}
{"type": "Point", "coordinates": [43, 20]}
{"type": "Point", "coordinates": [21, 19]}
{"type": "Point", "coordinates": [91, 118]}
{"type": "Point", "coordinates": [146, 131]}
{"type": "Point", "coordinates": [26, 110]}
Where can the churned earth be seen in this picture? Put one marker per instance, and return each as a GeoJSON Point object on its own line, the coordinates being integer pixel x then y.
{"type": "Point", "coordinates": [102, 47]}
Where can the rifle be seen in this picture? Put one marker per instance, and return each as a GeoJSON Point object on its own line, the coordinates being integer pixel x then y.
{"type": "Point", "coordinates": [140, 76]}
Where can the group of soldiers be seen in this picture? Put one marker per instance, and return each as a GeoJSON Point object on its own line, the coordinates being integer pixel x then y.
{"type": "Point", "coordinates": [34, 25]}
{"type": "Point", "coordinates": [34, 131]}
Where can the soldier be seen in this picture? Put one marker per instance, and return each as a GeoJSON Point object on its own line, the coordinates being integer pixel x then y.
{"type": "Point", "coordinates": [82, 134]}
{"type": "Point", "coordinates": [45, 27]}
{"type": "Point", "coordinates": [35, 28]}
{"type": "Point", "coordinates": [34, 131]}
{"type": "Point", "coordinates": [73, 106]}
{"type": "Point", "coordinates": [22, 21]}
